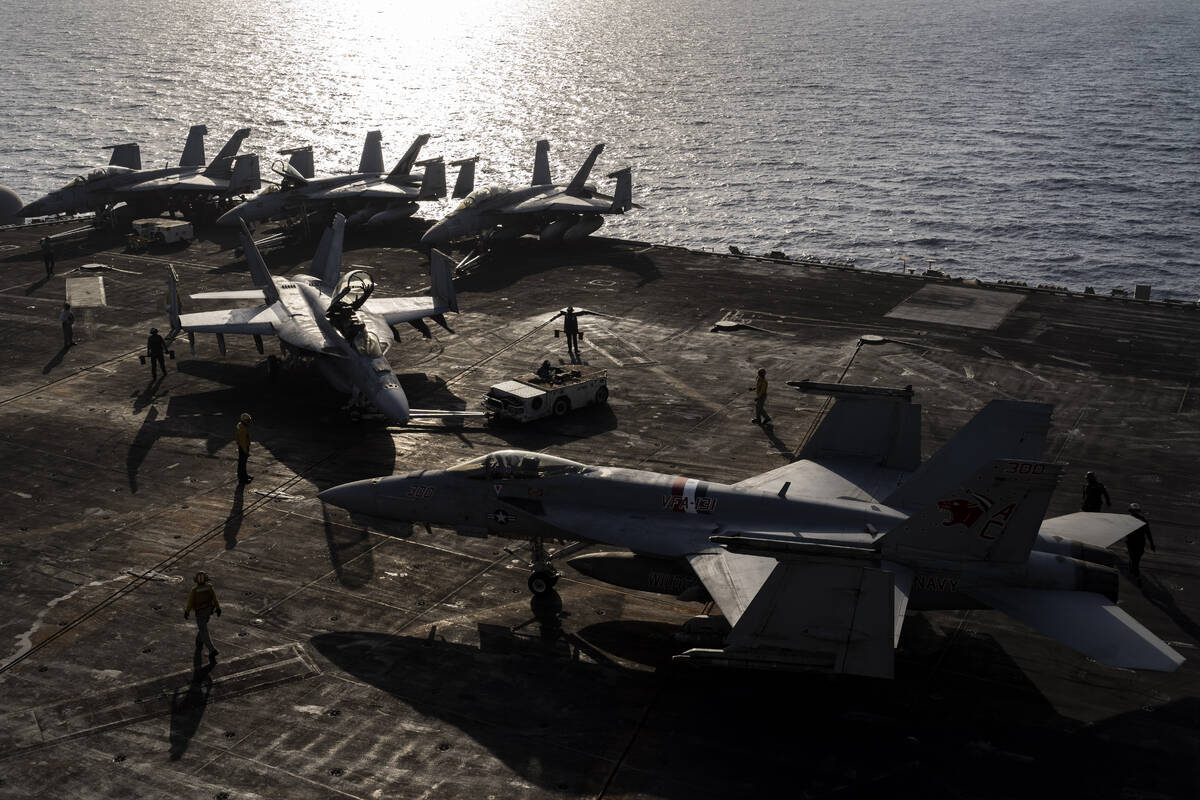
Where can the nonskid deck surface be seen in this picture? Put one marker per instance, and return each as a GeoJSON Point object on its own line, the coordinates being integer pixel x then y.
{"type": "Point", "coordinates": [392, 661]}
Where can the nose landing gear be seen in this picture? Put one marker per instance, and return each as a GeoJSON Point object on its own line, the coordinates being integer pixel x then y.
{"type": "Point", "coordinates": [544, 574]}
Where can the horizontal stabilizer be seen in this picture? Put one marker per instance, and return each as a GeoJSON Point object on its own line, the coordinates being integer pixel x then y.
{"type": "Point", "coordinates": [1090, 527]}
{"type": "Point", "coordinates": [1086, 622]}
{"type": "Point", "coordinates": [1003, 429]}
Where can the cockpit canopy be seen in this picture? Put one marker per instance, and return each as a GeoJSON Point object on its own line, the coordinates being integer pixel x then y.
{"type": "Point", "coordinates": [516, 465]}
{"type": "Point", "coordinates": [99, 173]}
{"type": "Point", "coordinates": [353, 289]}
{"type": "Point", "coordinates": [479, 196]}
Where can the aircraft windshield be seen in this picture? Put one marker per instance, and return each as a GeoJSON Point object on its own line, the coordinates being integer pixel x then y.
{"type": "Point", "coordinates": [516, 465]}
{"type": "Point", "coordinates": [94, 175]}
{"type": "Point", "coordinates": [353, 289]}
{"type": "Point", "coordinates": [367, 343]}
{"type": "Point", "coordinates": [479, 195]}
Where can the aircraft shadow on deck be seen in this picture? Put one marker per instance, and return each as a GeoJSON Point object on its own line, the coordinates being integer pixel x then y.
{"type": "Point", "coordinates": [350, 551]}
{"type": "Point", "coordinates": [292, 425]}
{"type": "Point", "coordinates": [514, 261]}
{"type": "Point", "coordinates": [933, 731]}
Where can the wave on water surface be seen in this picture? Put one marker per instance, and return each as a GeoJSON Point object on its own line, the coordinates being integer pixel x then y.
{"type": "Point", "coordinates": [1015, 139]}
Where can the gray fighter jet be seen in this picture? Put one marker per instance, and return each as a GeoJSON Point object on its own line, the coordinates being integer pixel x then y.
{"type": "Point", "coordinates": [814, 564]}
{"type": "Point", "coordinates": [150, 190]}
{"type": "Point", "coordinates": [327, 318]}
{"type": "Point", "coordinates": [554, 212]}
{"type": "Point", "coordinates": [371, 195]}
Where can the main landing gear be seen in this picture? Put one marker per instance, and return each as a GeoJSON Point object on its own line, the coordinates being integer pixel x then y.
{"type": "Point", "coordinates": [544, 576]}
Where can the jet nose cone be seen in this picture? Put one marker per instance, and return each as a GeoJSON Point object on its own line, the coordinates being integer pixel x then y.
{"type": "Point", "coordinates": [230, 217]}
{"type": "Point", "coordinates": [438, 234]}
{"type": "Point", "coordinates": [393, 404]}
{"type": "Point", "coordinates": [358, 496]}
{"type": "Point", "coordinates": [34, 209]}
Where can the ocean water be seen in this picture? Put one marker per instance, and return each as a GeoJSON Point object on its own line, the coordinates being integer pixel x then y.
{"type": "Point", "coordinates": [1051, 141]}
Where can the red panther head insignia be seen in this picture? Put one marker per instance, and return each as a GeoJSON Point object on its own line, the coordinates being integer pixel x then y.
{"type": "Point", "coordinates": [962, 512]}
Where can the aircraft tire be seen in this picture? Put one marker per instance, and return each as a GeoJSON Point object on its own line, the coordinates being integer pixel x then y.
{"type": "Point", "coordinates": [602, 395]}
{"type": "Point", "coordinates": [273, 368]}
{"type": "Point", "coordinates": [561, 406]}
{"type": "Point", "coordinates": [541, 583]}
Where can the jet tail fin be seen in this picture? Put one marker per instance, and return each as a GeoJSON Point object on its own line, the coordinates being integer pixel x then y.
{"type": "Point", "coordinates": [433, 183]}
{"type": "Point", "coordinates": [441, 279]}
{"type": "Point", "coordinates": [1003, 429]}
{"type": "Point", "coordinates": [465, 184]}
{"type": "Point", "coordinates": [301, 160]}
{"type": "Point", "coordinates": [409, 159]}
{"type": "Point", "coordinates": [193, 149]}
{"type": "Point", "coordinates": [125, 155]}
{"type": "Point", "coordinates": [541, 164]}
{"type": "Point", "coordinates": [327, 261]}
{"type": "Point", "coordinates": [246, 177]}
{"type": "Point", "coordinates": [995, 515]}
{"type": "Point", "coordinates": [372, 153]}
{"type": "Point", "coordinates": [865, 422]}
{"type": "Point", "coordinates": [173, 300]}
{"type": "Point", "coordinates": [258, 267]}
{"type": "Point", "coordinates": [580, 180]}
{"type": "Point", "coordinates": [222, 165]}
{"type": "Point", "coordinates": [623, 195]}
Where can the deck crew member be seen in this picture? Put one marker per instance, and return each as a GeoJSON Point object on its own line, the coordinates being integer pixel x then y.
{"type": "Point", "coordinates": [48, 256]}
{"type": "Point", "coordinates": [243, 444]}
{"type": "Point", "coordinates": [761, 417]}
{"type": "Point", "coordinates": [203, 600]}
{"type": "Point", "coordinates": [1093, 493]}
{"type": "Point", "coordinates": [68, 321]}
{"type": "Point", "coordinates": [156, 347]}
{"type": "Point", "coordinates": [571, 330]}
{"type": "Point", "coordinates": [1137, 541]}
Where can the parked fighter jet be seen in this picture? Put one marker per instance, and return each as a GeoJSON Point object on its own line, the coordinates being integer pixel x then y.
{"type": "Point", "coordinates": [328, 318]}
{"type": "Point", "coordinates": [371, 195]}
{"type": "Point", "coordinates": [121, 181]}
{"type": "Point", "coordinates": [554, 212]}
{"type": "Point", "coordinates": [814, 564]}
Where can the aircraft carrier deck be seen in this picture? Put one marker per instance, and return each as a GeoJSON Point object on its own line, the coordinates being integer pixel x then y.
{"type": "Point", "coordinates": [397, 662]}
